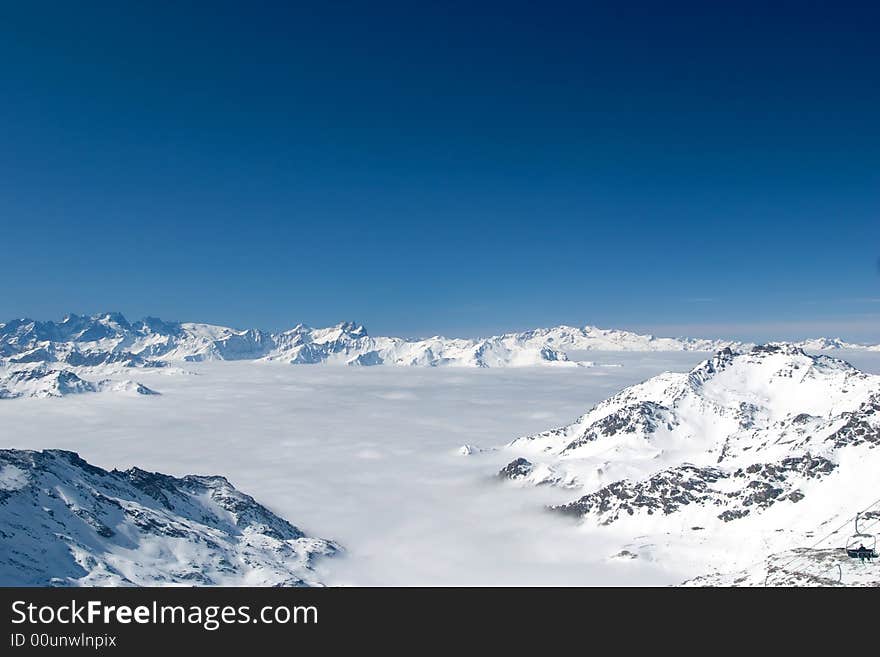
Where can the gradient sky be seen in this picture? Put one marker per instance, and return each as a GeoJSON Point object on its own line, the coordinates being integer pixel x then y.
{"type": "Point", "coordinates": [456, 168]}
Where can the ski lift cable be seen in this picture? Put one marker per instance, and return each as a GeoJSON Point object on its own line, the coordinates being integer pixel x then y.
{"type": "Point", "coordinates": [873, 524]}
{"type": "Point", "coordinates": [824, 538]}
{"type": "Point", "coordinates": [832, 567]}
{"type": "Point", "coordinates": [864, 531]}
{"type": "Point", "coordinates": [829, 535]}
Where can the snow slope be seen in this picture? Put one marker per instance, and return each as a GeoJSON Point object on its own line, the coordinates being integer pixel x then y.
{"type": "Point", "coordinates": [43, 380]}
{"type": "Point", "coordinates": [798, 567]}
{"type": "Point", "coordinates": [65, 522]}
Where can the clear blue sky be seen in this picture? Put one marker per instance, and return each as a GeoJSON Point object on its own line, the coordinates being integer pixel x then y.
{"type": "Point", "coordinates": [460, 168]}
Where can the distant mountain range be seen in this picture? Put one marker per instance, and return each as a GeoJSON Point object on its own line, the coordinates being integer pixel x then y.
{"type": "Point", "coordinates": [79, 353]}
{"type": "Point", "coordinates": [110, 339]}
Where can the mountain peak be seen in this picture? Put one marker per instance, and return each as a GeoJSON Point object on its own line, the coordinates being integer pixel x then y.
{"type": "Point", "coordinates": [778, 348]}
{"type": "Point", "coordinates": [741, 432]}
{"type": "Point", "coordinates": [352, 328]}
{"type": "Point", "coordinates": [115, 317]}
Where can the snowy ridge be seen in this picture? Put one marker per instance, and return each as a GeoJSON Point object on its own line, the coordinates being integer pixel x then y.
{"type": "Point", "coordinates": [64, 522]}
{"type": "Point", "coordinates": [349, 344]}
{"type": "Point", "coordinates": [109, 339]}
{"type": "Point", "coordinates": [744, 441]}
{"type": "Point", "coordinates": [701, 434]}
{"type": "Point", "coordinates": [591, 338]}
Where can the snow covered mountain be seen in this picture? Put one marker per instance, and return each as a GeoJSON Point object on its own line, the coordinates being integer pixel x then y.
{"type": "Point", "coordinates": [64, 522]}
{"type": "Point", "coordinates": [109, 340]}
{"type": "Point", "coordinates": [739, 432]}
{"type": "Point", "coordinates": [42, 380]}
{"type": "Point", "coordinates": [349, 344]}
{"type": "Point", "coordinates": [771, 436]}
{"type": "Point", "coordinates": [590, 338]}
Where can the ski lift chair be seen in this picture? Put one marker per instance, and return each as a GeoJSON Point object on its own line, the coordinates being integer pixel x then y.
{"type": "Point", "coordinates": [861, 546]}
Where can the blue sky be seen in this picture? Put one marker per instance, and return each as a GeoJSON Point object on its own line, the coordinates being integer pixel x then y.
{"type": "Point", "coordinates": [452, 168]}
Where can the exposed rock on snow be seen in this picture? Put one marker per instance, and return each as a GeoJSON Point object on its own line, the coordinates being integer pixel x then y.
{"type": "Point", "coordinates": [738, 434]}
{"type": "Point", "coordinates": [517, 469]}
{"type": "Point", "coordinates": [525, 471]}
{"type": "Point", "coordinates": [64, 522]}
{"type": "Point", "coordinates": [753, 488]}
